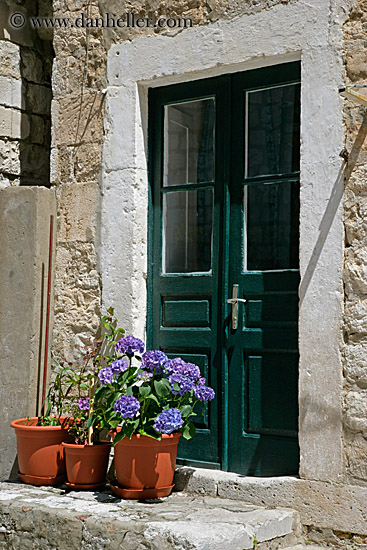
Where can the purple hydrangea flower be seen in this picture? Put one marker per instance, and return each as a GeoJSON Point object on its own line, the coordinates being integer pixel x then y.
{"type": "Point", "coordinates": [153, 360]}
{"type": "Point", "coordinates": [84, 404]}
{"type": "Point", "coordinates": [127, 405]}
{"type": "Point", "coordinates": [106, 375]}
{"type": "Point", "coordinates": [190, 370]}
{"type": "Point", "coordinates": [129, 345]}
{"type": "Point", "coordinates": [144, 375]}
{"type": "Point", "coordinates": [185, 383]}
{"type": "Point", "coordinates": [202, 381]}
{"type": "Point", "coordinates": [204, 393]}
{"type": "Point", "coordinates": [168, 421]}
{"type": "Point", "coordinates": [119, 365]}
{"type": "Point", "coordinates": [173, 365]}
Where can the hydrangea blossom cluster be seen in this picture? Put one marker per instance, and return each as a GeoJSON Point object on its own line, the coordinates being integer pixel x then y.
{"type": "Point", "coordinates": [185, 383]}
{"type": "Point", "coordinates": [127, 405]}
{"type": "Point", "coordinates": [129, 345]}
{"type": "Point", "coordinates": [173, 365]}
{"type": "Point", "coordinates": [204, 393]}
{"type": "Point", "coordinates": [106, 375]}
{"type": "Point", "coordinates": [145, 376]}
{"type": "Point", "coordinates": [153, 360]}
{"type": "Point", "coordinates": [190, 370]}
{"type": "Point", "coordinates": [84, 404]}
{"type": "Point", "coordinates": [119, 365]}
{"type": "Point", "coordinates": [168, 421]}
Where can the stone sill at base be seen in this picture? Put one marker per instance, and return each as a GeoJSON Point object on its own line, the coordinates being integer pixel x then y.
{"type": "Point", "coordinates": [51, 518]}
{"type": "Point", "coordinates": [321, 504]}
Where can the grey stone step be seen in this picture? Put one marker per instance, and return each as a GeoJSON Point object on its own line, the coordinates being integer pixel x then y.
{"type": "Point", "coordinates": [38, 518]}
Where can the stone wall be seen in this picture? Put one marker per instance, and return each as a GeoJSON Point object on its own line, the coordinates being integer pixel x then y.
{"type": "Point", "coordinates": [355, 267]}
{"type": "Point", "coordinates": [25, 100]}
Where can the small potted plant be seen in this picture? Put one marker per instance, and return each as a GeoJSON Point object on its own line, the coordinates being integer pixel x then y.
{"type": "Point", "coordinates": [87, 455]}
{"type": "Point", "coordinates": [148, 400]}
{"type": "Point", "coordinates": [39, 439]}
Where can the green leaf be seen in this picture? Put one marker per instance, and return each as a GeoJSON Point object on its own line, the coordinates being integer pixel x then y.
{"type": "Point", "coordinates": [118, 437]}
{"type": "Point", "coordinates": [114, 423]}
{"type": "Point", "coordinates": [189, 431]}
{"type": "Point", "coordinates": [153, 398]}
{"type": "Point", "coordinates": [144, 391]}
{"type": "Point", "coordinates": [185, 411]}
{"type": "Point", "coordinates": [161, 388]}
{"type": "Point", "coordinates": [90, 421]}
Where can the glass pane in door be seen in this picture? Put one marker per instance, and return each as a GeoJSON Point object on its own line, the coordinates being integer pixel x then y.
{"type": "Point", "coordinates": [273, 130]}
{"type": "Point", "coordinates": [189, 142]}
{"type": "Point", "coordinates": [271, 226]}
{"type": "Point", "coordinates": [187, 231]}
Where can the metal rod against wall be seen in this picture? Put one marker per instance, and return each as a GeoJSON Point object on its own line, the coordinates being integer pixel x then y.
{"type": "Point", "coordinates": [50, 251]}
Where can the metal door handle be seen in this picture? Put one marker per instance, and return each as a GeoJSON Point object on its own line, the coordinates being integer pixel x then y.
{"type": "Point", "coordinates": [234, 301]}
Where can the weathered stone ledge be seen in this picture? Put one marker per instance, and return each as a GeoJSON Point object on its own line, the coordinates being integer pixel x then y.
{"type": "Point", "coordinates": [47, 518]}
{"type": "Point", "coordinates": [325, 505]}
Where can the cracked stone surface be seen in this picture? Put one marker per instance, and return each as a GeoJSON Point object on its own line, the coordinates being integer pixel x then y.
{"type": "Point", "coordinates": [44, 517]}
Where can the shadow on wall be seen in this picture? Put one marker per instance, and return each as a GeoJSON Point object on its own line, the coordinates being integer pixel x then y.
{"type": "Point", "coordinates": [336, 196]}
{"type": "Point", "coordinates": [26, 57]}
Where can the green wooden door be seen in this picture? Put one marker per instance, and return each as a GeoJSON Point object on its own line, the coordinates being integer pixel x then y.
{"type": "Point", "coordinates": [224, 175]}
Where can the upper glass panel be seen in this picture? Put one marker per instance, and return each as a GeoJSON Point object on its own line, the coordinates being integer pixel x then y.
{"type": "Point", "coordinates": [273, 131]}
{"type": "Point", "coordinates": [189, 142]}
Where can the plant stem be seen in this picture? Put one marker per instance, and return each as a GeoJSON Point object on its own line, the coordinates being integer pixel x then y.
{"type": "Point", "coordinates": [90, 412]}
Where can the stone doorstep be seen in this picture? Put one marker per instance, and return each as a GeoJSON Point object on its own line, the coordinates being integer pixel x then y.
{"type": "Point", "coordinates": [325, 505]}
{"type": "Point", "coordinates": [45, 517]}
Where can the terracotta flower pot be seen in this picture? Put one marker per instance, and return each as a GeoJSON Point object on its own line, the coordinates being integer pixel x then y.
{"type": "Point", "coordinates": [40, 453]}
{"type": "Point", "coordinates": [86, 465]}
{"type": "Point", "coordinates": [144, 466]}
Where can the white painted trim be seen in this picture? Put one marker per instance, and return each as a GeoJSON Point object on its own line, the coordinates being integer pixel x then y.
{"type": "Point", "coordinates": [300, 30]}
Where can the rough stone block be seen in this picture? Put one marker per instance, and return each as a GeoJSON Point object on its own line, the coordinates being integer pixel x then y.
{"type": "Point", "coordinates": [356, 365]}
{"type": "Point", "coordinates": [356, 63]}
{"type": "Point", "coordinates": [11, 94]}
{"type": "Point", "coordinates": [78, 212]}
{"type": "Point", "coordinates": [37, 129]}
{"type": "Point", "coordinates": [78, 119]}
{"type": "Point", "coordinates": [356, 457]}
{"type": "Point", "coordinates": [39, 99]}
{"type": "Point", "coordinates": [13, 123]}
{"type": "Point", "coordinates": [10, 156]}
{"type": "Point", "coordinates": [32, 66]}
{"type": "Point", "coordinates": [9, 59]}
{"type": "Point", "coordinates": [355, 411]}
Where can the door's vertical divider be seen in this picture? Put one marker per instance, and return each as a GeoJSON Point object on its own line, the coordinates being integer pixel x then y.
{"type": "Point", "coordinates": [224, 158]}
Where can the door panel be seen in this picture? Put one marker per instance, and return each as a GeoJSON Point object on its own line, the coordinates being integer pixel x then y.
{"type": "Point", "coordinates": [263, 349]}
{"type": "Point", "coordinates": [224, 169]}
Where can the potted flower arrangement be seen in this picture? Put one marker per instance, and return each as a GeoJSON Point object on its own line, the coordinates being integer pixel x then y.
{"type": "Point", "coordinates": [39, 439]}
{"type": "Point", "coordinates": [66, 428]}
{"type": "Point", "coordinates": [147, 400]}
{"type": "Point", "coordinates": [87, 455]}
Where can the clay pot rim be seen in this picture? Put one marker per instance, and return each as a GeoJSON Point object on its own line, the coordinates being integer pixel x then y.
{"type": "Point", "coordinates": [20, 424]}
{"type": "Point", "coordinates": [173, 435]}
{"type": "Point", "coordinates": [102, 443]}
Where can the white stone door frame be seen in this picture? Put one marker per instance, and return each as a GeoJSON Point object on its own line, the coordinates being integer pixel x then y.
{"type": "Point", "coordinates": [302, 30]}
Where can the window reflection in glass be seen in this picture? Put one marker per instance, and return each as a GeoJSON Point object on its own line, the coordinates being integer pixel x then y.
{"type": "Point", "coordinates": [273, 130]}
{"type": "Point", "coordinates": [187, 231]}
{"type": "Point", "coordinates": [271, 226]}
{"type": "Point", "coordinates": [189, 142]}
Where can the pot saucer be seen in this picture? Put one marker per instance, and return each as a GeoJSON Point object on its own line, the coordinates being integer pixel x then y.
{"type": "Point", "coordinates": [38, 481]}
{"type": "Point", "coordinates": [85, 486]}
{"type": "Point", "coordinates": [124, 492]}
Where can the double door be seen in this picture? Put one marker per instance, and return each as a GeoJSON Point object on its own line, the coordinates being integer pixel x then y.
{"type": "Point", "coordinates": [223, 261]}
